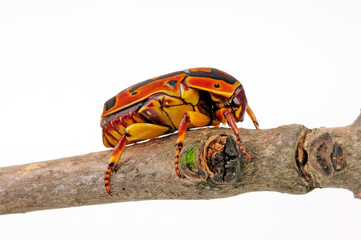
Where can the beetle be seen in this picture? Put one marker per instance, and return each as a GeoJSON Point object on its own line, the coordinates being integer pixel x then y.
{"type": "Point", "coordinates": [195, 97]}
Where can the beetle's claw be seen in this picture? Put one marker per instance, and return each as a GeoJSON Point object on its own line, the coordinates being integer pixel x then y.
{"type": "Point", "coordinates": [179, 174]}
{"type": "Point", "coordinates": [246, 154]}
{"type": "Point", "coordinates": [108, 190]}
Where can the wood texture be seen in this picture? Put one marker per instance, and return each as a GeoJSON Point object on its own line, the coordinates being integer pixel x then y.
{"type": "Point", "coordinates": [290, 159]}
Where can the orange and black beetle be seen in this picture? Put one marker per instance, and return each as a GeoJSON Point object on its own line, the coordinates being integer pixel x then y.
{"type": "Point", "coordinates": [194, 97]}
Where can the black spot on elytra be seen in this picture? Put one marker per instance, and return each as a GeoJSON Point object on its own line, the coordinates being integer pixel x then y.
{"type": "Point", "coordinates": [110, 103]}
{"type": "Point", "coordinates": [172, 83]}
{"type": "Point", "coordinates": [216, 85]}
{"type": "Point", "coordinates": [133, 93]}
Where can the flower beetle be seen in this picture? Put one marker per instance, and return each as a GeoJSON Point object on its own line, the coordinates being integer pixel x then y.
{"type": "Point", "coordinates": [185, 99]}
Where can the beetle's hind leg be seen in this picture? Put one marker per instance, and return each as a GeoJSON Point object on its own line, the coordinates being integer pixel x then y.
{"type": "Point", "coordinates": [114, 160]}
{"type": "Point", "coordinates": [133, 133]}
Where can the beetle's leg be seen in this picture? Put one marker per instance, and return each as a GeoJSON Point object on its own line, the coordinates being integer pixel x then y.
{"type": "Point", "coordinates": [252, 116]}
{"type": "Point", "coordinates": [236, 132]}
{"type": "Point", "coordinates": [133, 133]}
{"type": "Point", "coordinates": [194, 119]}
{"type": "Point", "coordinates": [181, 135]}
{"type": "Point", "coordinates": [143, 131]}
{"type": "Point", "coordinates": [114, 160]}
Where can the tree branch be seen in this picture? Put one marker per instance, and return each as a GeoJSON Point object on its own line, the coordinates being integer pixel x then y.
{"type": "Point", "coordinates": [290, 159]}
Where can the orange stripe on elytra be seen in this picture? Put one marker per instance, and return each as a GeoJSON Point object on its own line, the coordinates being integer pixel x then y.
{"type": "Point", "coordinates": [207, 83]}
{"type": "Point", "coordinates": [201, 69]}
{"type": "Point", "coordinates": [135, 94]}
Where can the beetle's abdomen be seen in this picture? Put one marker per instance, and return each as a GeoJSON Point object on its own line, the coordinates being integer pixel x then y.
{"type": "Point", "coordinates": [113, 126]}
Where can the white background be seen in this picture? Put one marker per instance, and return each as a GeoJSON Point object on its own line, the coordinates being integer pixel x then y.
{"type": "Point", "coordinates": [299, 62]}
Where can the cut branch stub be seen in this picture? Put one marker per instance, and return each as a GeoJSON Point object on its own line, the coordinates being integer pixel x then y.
{"type": "Point", "coordinates": [218, 158]}
{"type": "Point", "coordinates": [321, 158]}
{"type": "Point", "coordinates": [320, 151]}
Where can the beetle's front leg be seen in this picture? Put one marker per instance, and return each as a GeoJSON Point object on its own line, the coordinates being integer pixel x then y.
{"type": "Point", "coordinates": [252, 116]}
{"type": "Point", "coordinates": [235, 130]}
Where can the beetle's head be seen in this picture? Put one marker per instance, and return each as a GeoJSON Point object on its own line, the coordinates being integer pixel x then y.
{"type": "Point", "coordinates": [238, 103]}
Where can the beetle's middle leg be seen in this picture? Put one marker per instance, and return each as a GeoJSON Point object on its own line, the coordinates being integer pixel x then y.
{"type": "Point", "coordinates": [190, 119]}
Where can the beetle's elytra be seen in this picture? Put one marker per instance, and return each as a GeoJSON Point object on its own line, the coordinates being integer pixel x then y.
{"type": "Point", "coordinates": [194, 97]}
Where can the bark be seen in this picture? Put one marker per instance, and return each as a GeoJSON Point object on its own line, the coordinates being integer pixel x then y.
{"type": "Point", "coordinates": [289, 159]}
